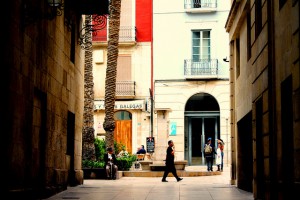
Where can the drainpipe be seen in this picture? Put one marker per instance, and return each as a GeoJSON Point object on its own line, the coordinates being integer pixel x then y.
{"type": "Point", "coordinates": [151, 112]}
{"type": "Point", "coordinates": [151, 78]}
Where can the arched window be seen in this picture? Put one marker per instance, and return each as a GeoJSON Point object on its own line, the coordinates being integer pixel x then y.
{"type": "Point", "coordinates": [122, 115]}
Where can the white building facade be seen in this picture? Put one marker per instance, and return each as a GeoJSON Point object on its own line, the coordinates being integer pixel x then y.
{"type": "Point", "coordinates": [191, 77]}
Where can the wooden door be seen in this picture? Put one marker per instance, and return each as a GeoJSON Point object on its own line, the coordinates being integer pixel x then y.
{"type": "Point", "coordinates": [123, 133]}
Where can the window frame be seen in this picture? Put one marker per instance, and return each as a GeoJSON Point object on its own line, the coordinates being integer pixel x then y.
{"type": "Point", "coordinates": [204, 50]}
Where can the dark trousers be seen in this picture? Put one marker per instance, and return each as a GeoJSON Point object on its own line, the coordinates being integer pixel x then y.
{"type": "Point", "coordinates": [170, 168]}
{"type": "Point", "coordinates": [209, 163]}
{"type": "Point", "coordinates": [111, 170]}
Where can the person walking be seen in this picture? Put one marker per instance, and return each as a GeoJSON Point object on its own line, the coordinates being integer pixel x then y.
{"type": "Point", "coordinates": [170, 166]}
{"type": "Point", "coordinates": [209, 154]}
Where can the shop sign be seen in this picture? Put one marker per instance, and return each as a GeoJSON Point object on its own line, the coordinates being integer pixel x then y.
{"type": "Point", "coordinates": [122, 105]}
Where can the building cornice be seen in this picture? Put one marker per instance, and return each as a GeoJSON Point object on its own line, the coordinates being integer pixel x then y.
{"type": "Point", "coordinates": [232, 14]}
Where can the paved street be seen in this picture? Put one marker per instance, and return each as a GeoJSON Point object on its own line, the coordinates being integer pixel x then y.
{"type": "Point", "coordinates": [215, 187]}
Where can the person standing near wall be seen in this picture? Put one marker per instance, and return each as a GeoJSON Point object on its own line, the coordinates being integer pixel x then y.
{"type": "Point", "coordinates": [209, 154]}
{"type": "Point", "coordinates": [221, 142]}
{"type": "Point", "coordinates": [170, 165]}
{"type": "Point", "coordinates": [219, 157]}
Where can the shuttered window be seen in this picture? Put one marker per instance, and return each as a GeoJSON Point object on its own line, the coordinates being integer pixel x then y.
{"type": "Point", "coordinates": [124, 68]}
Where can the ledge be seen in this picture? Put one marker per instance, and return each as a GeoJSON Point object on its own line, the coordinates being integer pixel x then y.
{"type": "Point", "coordinates": [179, 165]}
{"type": "Point", "coordinates": [145, 164]}
{"type": "Point", "coordinates": [98, 173]}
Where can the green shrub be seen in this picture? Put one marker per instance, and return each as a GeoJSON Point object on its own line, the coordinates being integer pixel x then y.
{"type": "Point", "coordinates": [100, 149]}
{"type": "Point", "coordinates": [92, 164]}
{"type": "Point", "coordinates": [123, 163]}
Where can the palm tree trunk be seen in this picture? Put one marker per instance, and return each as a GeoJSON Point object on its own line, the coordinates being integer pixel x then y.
{"type": "Point", "coordinates": [88, 137]}
{"type": "Point", "coordinates": [111, 71]}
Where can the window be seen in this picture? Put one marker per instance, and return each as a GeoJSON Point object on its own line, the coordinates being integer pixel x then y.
{"type": "Point", "coordinates": [248, 35]}
{"type": "Point", "coordinates": [124, 68]}
{"type": "Point", "coordinates": [125, 86]}
{"type": "Point", "coordinates": [201, 45]}
{"type": "Point", "coordinates": [197, 3]}
{"type": "Point", "coordinates": [258, 17]}
{"type": "Point", "coordinates": [73, 42]}
{"type": "Point", "coordinates": [281, 3]}
{"type": "Point", "coordinates": [122, 115]}
{"type": "Point", "coordinates": [237, 61]}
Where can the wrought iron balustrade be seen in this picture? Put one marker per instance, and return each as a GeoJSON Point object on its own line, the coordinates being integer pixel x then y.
{"type": "Point", "coordinates": [200, 4]}
{"type": "Point", "coordinates": [201, 68]}
{"type": "Point", "coordinates": [126, 34]}
{"type": "Point", "coordinates": [125, 88]}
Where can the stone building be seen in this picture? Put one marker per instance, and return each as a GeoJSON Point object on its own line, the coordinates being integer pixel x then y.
{"type": "Point", "coordinates": [42, 95]}
{"type": "Point", "coordinates": [265, 97]}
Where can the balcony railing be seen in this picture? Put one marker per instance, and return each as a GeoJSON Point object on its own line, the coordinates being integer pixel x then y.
{"type": "Point", "coordinates": [203, 68]}
{"type": "Point", "coordinates": [125, 89]}
{"type": "Point", "coordinates": [126, 34]}
{"type": "Point", "coordinates": [200, 5]}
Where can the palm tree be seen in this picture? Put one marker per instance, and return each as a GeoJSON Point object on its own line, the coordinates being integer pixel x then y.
{"type": "Point", "coordinates": [111, 71]}
{"type": "Point", "coordinates": [88, 137]}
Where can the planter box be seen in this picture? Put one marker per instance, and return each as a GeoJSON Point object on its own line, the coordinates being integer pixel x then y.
{"type": "Point", "coordinates": [94, 173]}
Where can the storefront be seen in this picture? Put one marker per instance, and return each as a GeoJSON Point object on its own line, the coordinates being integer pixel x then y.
{"type": "Point", "coordinates": [132, 122]}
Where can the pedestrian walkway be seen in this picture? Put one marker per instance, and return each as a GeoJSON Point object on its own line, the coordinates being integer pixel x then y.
{"type": "Point", "coordinates": [214, 187]}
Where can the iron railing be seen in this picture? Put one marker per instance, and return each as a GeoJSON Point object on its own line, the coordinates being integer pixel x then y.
{"type": "Point", "coordinates": [125, 88]}
{"type": "Point", "coordinates": [126, 34]}
{"type": "Point", "coordinates": [201, 68]}
{"type": "Point", "coordinates": [200, 4]}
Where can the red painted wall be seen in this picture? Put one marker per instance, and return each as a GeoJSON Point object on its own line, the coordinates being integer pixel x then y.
{"type": "Point", "coordinates": [143, 19]}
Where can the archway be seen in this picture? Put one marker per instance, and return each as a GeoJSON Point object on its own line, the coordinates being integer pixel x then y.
{"type": "Point", "coordinates": [202, 120]}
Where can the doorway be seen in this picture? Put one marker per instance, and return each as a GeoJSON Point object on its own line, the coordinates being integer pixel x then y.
{"type": "Point", "coordinates": [202, 121]}
{"type": "Point", "coordinates": [123, 129]}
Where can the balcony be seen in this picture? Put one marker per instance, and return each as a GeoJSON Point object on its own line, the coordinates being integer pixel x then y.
{"type": "Point", "coordinates": [200, 6]}
{"type": "Point", "coordinates": [127, 35]}
{"type": "Point", "coordinates": [201, 69]}
{"type": "Point", "coordinates": [125, 89]}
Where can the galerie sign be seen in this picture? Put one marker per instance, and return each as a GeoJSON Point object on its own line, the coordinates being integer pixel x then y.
{"type": "Point", "coordinates": [121, 105]}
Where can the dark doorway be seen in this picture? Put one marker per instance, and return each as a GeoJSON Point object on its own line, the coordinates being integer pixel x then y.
{"type": "Point", "coordinates": [70, 146]}
{"type": "Point", "coordinates": [201, 122]}
{"type": "Point", "coordinates": [287, 136]}
{"type": "Point", "coordinates": [196, 137]}
{"type": "Point", "coordinates": [259, 150]}
{"type": "Point", "coordinates": [245, 153]}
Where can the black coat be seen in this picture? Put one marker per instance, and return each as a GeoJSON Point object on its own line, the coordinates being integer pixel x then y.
{"type": "Point", "coordinates": [114, 159]}
{"type": "Point", "coordinates": [170, 156]}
